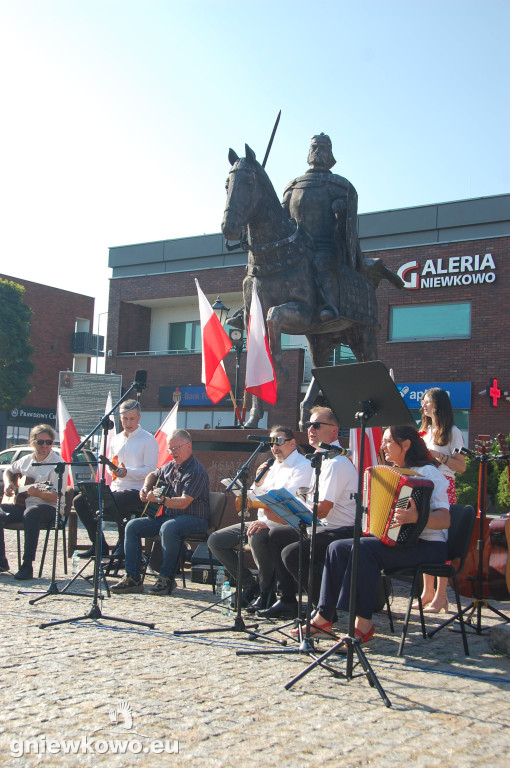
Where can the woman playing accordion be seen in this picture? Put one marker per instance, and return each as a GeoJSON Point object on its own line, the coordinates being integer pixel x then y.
{"type": "Point", "coordinates": [402, 447]}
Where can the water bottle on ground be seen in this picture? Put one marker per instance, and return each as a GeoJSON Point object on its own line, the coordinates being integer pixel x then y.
{"type": "Point", "coordinates": [220, 580]}
{"type": "Point", "coordinates": [226, 598]}
{"type": "Point", "coordinates": [75, 563]}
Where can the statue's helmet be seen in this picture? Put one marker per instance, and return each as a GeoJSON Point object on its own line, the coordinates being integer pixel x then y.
{"type": "Point", "coordinates": [321, 151]}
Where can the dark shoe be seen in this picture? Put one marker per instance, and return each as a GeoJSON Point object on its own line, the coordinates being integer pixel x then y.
{"type": "Point", "coordinates": [263, 601]}
{"type": "Point", "coordinates": [25, 572]}
{"type": "Point", "coordinates": [280, 610]}
{"type": "Point", "coordinates": [91, 551]}
{"type": "Point", "coordinates": [163, 586]}
{"type": "Point", "coordinates": [118, 552]}
{"type": "Point", "coordinates": [4, 565]}
{"type": "Point", "coordinates": [250, 592]}
{"type": "Point", "coordinates": [127, 585]}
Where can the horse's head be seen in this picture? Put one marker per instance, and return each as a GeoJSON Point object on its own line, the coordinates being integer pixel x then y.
{"type": "Point", "coordinates": [246, 185]}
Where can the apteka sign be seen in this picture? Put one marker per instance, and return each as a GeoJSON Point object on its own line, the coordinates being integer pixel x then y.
{"type": "Point", "coordinates": [448, 272]}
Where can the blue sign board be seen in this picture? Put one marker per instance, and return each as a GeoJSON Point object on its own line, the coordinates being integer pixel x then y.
{"type": "Point", "coordinates": [459, 392]}
{"type": "Point", "coordinates": [193, 396]}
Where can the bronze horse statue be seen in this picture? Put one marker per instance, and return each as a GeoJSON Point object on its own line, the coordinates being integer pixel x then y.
{"type": "Point", "coordinates": [280, 257]}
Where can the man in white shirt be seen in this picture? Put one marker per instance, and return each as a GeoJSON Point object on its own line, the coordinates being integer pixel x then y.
{"type": "Point", "coordinates": [135, 453]}
{"type": "Point", "coordinates": [287, 468]}
{"type": "Point", "coordinates": [338, 483]}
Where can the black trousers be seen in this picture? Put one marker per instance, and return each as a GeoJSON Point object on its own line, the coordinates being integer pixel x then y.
{"type": "Point", "coordinates": [33, 518]}
{"type": "Point", "coordinates": [128, 504]}
{"type": "Point", "coordinates": [284, 544]}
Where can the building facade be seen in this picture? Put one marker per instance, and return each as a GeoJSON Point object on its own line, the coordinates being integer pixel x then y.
{"type": "Point", "coordinates": [449, 326]}
{"type": "Point", "coordinates": [61, 337]}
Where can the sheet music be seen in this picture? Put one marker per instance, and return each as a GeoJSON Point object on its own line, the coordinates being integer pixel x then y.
{"type": "Point", "coordinates": [288, 507]}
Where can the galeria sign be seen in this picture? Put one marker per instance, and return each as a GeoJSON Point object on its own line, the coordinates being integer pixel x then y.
{"type": "Point", "coordinates": [446, 273]}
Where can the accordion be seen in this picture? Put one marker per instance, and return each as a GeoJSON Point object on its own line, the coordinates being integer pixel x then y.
{"type": "Point", "coordinates": [386, 491]}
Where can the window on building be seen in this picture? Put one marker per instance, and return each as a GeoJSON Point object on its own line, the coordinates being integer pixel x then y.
{"type": "Point", "coordinates": [184, 337]}
{"type": "Point", "coordinates": [342, 355]}
{"type": "Point", "coordinates": [425, 322]}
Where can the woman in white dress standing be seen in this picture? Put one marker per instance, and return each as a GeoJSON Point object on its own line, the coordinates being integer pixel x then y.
{"type": "Point", "coordinates": [442, 438]}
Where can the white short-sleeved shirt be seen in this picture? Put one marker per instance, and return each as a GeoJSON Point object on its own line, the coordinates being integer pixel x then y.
{"type": "Point", "coordinates": [40, 474]}
{"type": "Point", "coordinates": [292, 473]}
{"type": "Point", "coordinates": [338, 482]}
{"type": "Point", "coordinates": [438, 500]}
{"type": "Point", "coordinates": [456, 442]}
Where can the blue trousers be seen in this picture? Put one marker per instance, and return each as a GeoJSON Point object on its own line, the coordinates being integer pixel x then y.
{"type": "Point", "coordinates": [373, 556]}
{"type": "Point", "coordinates": [173, 530]}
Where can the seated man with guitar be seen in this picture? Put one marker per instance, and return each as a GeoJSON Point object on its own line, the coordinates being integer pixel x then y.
{"type": "Point", "coordinates": [30, 496]}
{"type": "Point", "coordinates": [132, 453]}
{"type": "Point", "coordinates": [180, 508]}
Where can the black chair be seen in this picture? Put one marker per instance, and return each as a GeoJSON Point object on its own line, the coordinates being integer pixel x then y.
{"type": "Point", "coordinates": [217, 503]}
{"type": "Point", "coordinates": [49, 529]}
{"type": "Point", "coordinates": [462, 522]}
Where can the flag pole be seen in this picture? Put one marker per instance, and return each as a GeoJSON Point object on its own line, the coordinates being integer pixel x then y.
{"type": "Point", "coordinates": [236, 409]}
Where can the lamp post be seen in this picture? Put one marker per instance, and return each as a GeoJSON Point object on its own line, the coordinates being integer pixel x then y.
{"type": "Point", "coordinates": [236, 337]}
{"type": "Point", "coordinates": [97, 337]}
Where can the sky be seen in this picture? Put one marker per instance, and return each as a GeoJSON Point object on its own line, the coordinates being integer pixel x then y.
{"type": "Point", "coordinates": [117, 115]}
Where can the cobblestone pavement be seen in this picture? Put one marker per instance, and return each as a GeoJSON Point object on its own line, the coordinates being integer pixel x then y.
{"type": "Point", "coordinates": [106, 685]}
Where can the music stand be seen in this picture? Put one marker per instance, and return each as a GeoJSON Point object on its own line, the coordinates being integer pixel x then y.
{"type": "Point", "coordinates": [239, 624]}
{"type": "Point", "coordinates": [360, 395]}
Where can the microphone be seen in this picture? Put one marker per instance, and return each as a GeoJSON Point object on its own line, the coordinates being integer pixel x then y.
{"type": "Point", "coordinates": [269, 464]}
{"type": "Point", "coordinates": [140, 382]}
{"type": "Point", "coordinates": [266, 439]}
{"type": "Point", "coordinates": [336, 449]}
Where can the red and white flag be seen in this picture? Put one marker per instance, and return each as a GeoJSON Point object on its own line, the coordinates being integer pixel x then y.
{"type": "Point", "coordinates": [67, 434]}
{"type": "Point", "coordinates": [373, 439]}
{"type": "Point", "coordinates": [215, 346]}
{"type": "Point", "coordinates": [168, 426]}
{"type": "Point", "coordinates": [260, 375]}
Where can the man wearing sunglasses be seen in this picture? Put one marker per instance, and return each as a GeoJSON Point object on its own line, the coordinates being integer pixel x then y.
{"type": "Point", "coordinates": [338, 482]}
{"type": "Point", "coordinates": [31, 504]}
{"type": "Point", "coordinates": [184, 510]}
{"type": "Point", "coordinates": [287, 468]}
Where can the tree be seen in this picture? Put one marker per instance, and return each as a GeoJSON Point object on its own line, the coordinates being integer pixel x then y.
{"type": "Point", "coordinates": [15, 349]}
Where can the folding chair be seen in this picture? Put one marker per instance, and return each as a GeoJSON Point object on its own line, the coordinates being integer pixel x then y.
{"type": "Point", "coordinates": [462, 522]}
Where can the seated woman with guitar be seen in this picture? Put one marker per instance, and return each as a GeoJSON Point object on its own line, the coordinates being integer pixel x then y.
{"type": "Point", "coordinates": [30, 495]}
{"type": "Point", "coordinates": [403, 448]}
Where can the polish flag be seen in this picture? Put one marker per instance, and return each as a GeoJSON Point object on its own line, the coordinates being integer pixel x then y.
{"type": "Point", "coordinates": [168, 426]}
{"type": "Point", "coordinates": [68, 435]}
{"type": "Point", "coordinates": [373, 439]}
{"type": "Point", "coordinates": [215, 345]}
{"type": "Point", "coordinates": [260, 376]}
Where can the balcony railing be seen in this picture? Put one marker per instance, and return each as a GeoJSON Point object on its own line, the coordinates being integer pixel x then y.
{"type": "Point", "coordinates": [87, 344]}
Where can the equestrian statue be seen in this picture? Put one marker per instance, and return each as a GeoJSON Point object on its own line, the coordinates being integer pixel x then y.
{"type": "Point", "coordinates": [312, 277]}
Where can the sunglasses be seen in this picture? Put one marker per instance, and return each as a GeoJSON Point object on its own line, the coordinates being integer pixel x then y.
{"type": "Point", "coordinates": [44, 442]}
{"type": "Point", "coordinates": [318, 424]}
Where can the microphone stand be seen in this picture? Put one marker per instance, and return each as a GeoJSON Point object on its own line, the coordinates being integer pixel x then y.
{"type": "Point", "coordinates": [95, 612]}
{"type": "Point", "coordinates": [53, 588]}
{"type": "Point", "coordinates": [239, 624]}
{"type": "Point", "coordinates": [306, 644]}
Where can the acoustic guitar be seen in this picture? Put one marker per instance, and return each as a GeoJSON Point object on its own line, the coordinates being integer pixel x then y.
{"type": "Point", "coordinates": [152, 508]}
{"type": "Point", "coordinates": [19, 497]}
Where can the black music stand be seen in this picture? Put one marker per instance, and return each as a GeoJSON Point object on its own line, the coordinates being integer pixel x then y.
{"type": "Point", "coordinates": [360, 395]}
{"type": "Point", "coordinates": [95, 611]}
{"type": "Point", "coordinates": [238, 625]}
